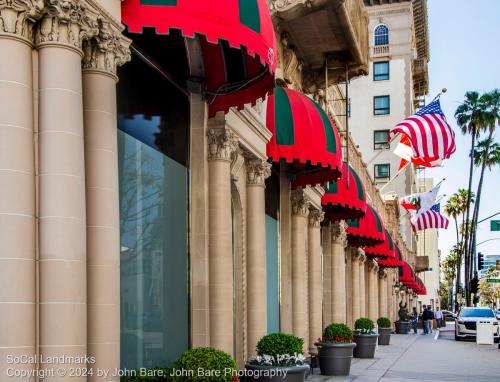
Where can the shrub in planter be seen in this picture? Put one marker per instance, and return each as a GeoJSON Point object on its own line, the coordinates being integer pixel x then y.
{"type": "Point", "coordinates": [335, 350]}
{"type": "Point", "coordinates": [365, 338]}
{"type": "Point", "coordinates": [384, 331]}
{"type": "Point", "coordinates": [279, 358]}
{"type": "Point", "coordinates": [204, 365]}
{"type": "Point", "coordinates": [403, 324]}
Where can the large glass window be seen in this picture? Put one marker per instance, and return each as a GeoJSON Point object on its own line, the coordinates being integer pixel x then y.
{"type": "Point", "coordinates": [381, 139]}
{"type": "Point", "coordinates": [381, 35]}
{"type": "Point", "coordinates": [153, 120]}
{"type": "Point", "coordinates": [381, 105]}
{"type": "Point", "coordinates": [382, 171]}
{"type": "Point", "coordinates": [381, 70]}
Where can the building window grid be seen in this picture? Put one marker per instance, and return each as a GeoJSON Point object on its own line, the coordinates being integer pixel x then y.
{"type": "Point", "coordinates": [381, 35]}
{"type": "Point", "coordinates": [381, 105]}
{"type": "Point", "coordinates": [381, 71]}
{"type": "Point", "coordinates": [382, 171]}
{"type": "Point", "coordinates": [381, 140]}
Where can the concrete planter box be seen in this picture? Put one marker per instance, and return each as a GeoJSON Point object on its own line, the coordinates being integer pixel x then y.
{"type": "Point", "coordinates": [402, 327]}
{"type": "Point", "coordinates": [335, 358]}
{"type": "Point", "coordinates": [365, 345]}
{"type": "Point", "coordinates": [384, 337]}
{"type": "Point", "coordinates": [293, 373]}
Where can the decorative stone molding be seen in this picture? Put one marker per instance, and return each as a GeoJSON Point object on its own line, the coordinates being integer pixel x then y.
{"type": "Point", "coordinates": [222, 144]}
{"type": "Point", "coordinates": [17, 17]}
{"type": "Point", "coordinates": [300, 203]}
{"type": "Point", "coordinates": [339, 233]}
{"type": "Point", "coordinates": [315, 218]}
{"type": "Point", "coordinates": [290, 73]}
{"type": "Point", "coordinates": [67, 23]}
{"type": "Point", "coordinates": [258, 170]}
{"type": "Point", "coordinates": [359, 255]}
{"type": "Point", "coordinates": [382, 274]}
{"type": "Point", "coordinates": [373, 266]}
{"type": "Point", "coordinates": [107, 50]}
{"type": "Point", "coordinates": [284, 5]}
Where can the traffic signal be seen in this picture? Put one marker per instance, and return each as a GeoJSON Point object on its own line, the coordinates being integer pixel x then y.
{"type": "Point", "coordinates": [474, 284]}
{"type": "Point", "coordinates": [480, 261]}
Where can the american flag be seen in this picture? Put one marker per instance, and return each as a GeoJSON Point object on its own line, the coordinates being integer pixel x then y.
{"type": "Point", "coordinates": [428, 133]}
{"type": "Point", "coordinates": [431, 218]}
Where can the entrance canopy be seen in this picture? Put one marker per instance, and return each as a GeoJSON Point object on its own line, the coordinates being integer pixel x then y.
{"type": "Point", "coordinates": [304, 137]}
{"type": "Point", "coordinates": [234, 77]}
{"type": "Point", "coordinates": [386, 250]}
{"type": "Point", "coordinates": [345, 199]}
{"type": "Point", "coordinates": [392, 262]}
{"type": "Point", "coordinates": [367, 231]}
{"type": "Point", "coordinates": [407, 276]}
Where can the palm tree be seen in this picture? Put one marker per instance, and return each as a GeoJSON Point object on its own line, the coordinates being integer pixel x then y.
{"type": "Point", "coordinates": [471, 118]}
{"type": "Point", "coordinates": [452, 209]}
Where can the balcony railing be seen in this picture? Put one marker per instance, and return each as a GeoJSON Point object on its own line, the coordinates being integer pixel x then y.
{"type": "Point", "coordinates": [380, 50]}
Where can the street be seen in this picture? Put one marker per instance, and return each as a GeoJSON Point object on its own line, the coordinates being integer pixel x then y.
{"type": "Point", "coordinates": [422, 358]}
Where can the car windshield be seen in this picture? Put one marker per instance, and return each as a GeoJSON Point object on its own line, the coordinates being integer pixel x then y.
{"type": "Point", "coordinates": [476, 313]}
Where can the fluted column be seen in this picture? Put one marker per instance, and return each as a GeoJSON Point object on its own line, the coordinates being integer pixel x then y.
{"type": "Point", "coordinates": [257, 172]}
{"type": "Point", "coordinates": [314, 276]}
{"type": "Point", "coordinates": [362, 284]}
{"type": "Point", "coordinates": [300, 316]}
{"type": "Point", "coordinates": [17, 184]}
{"type": "Point", "coordinates": [339, 242]}
{"type": "Point", "coordinates": [348, 286]}
{"type": "Point", "coordinates": [372, 312]}
{"type": "Point", "coordinates": [221, 145]}
{"type": "Point", "coordinates": [327, 274]}
{"type": "Point", "coordinates": [102, 54]}
{"type": "Point", "coordinates": [382, 293]}
{"type": "Point", "coordinates": [356, 259]}
{"type": "Point", "coordinates": [62, 212]}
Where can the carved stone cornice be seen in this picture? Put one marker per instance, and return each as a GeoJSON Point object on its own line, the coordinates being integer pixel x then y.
{"type": "Point", "coordinates": [67, 23]}
{"type": "Point", "coordinates": [300, 203]}
{"type": "Point", "coordinates": [284, 5]}
{"type": "Point", "coordinates": [222, 144]}
{"type": "Point", "coordinates": [258, 170]}
{"type": "Point", "coordinates": [107, 50]}
{"type": "Point", "coordinates": [315, 218]}
{"type": "Point", "coordinates": [17, 18]}
{"type": "Point", "coordinates": [339, 233]}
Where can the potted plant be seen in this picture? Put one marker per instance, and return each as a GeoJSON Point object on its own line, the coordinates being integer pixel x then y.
{"type": "Point", "coordinates": [204, 365]}
{"type": "Point", "coordinates": [384, 331]}
{"type": "Point", "coordinates": [279, 358]}
{"type": "Point", "coordinates": [335, 350]}
{"type": "Point", "coordinates": [403, 324]}
{"type": "Point", "coordinates": [365, 338]}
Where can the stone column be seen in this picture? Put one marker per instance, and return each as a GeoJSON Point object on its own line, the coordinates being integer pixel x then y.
{"type": "Point", "coordinates": [17, 185]}
{"type": "Point", "coordinates": [339, 242]}
{"type": "Point", "coordinates": [257, 172]}
{"type": "Point", "coordinates": [362, 283]}
{"type": "Point", "coordinates": [102, 55]}
{"type": "Point", "coordinates": [314, 276]}
{"type": "Point", "coordinates": [372, 312]}
{"type": "Point", "coordinates": [382, 293]}
{"type": "Point", "coordinates": [348, 286]}
{"type": "Point", "coordinates": [327, 274]}
{"type": "Point", "coordinates": [356, 259]}
{"type": "Point", "coordinates": [62, 212]}
{"type": "Point", "coordinates": [300, 316]}
{"type": "Point", "coordinates": [221, 145]}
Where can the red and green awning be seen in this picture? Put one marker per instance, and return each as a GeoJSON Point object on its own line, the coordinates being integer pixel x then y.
{"type": "Point", "coordinates": [367, 231]}
{"type": "Point", "coordinates": [304, 137]}
{"type": "Point", "coordinates": [407, 275]}
{"type": "Point", "coordinates": [392, 262]}
{"type": "Point", "coordinates": [224, 24]}
{"type": "Point", "coordinates": [385, 250]}
{"type": "Point", "coordinates": [345, 199]}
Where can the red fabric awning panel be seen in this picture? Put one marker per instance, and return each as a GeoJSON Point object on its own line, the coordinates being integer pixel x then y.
{"type": "Point", "coordinates": [304, 137]}
{"type": "Point", "coordinates": [243, 24]}
{"type": "Point", "coordinates": [396, 260]}
{"type": "Point", "coordinates": [385, 250]}
{"type": "Point", "coordinates": [367, 231]}
{"type": "Point", "coordinates": [345, 199]}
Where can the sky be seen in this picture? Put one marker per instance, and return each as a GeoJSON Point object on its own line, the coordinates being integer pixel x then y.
{"type": "Point", "coordinates": [465, 55]}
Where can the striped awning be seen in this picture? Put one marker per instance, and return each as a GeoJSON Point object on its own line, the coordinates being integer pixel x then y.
{"type": "Point", "coordinates": [367, 231]}
{"type": "Point", "coordinates": [385, 250]}
{"type": "Point", "coordinates": [237, 41]}
{"type": "Point", "coordinates": [345, 199]}
{"type": "Point", "coordinates": [304, 137]}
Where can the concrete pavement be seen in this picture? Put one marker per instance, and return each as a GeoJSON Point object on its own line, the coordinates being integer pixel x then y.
{"type": "Point", "coordinates": [412, 358]}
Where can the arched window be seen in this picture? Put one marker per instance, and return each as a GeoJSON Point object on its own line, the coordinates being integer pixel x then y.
{"type": "Point", "coordinates": [381, 35]}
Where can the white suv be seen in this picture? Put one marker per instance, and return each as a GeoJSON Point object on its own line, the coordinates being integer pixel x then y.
{"type": "Point", "coordinates": [467, 319]}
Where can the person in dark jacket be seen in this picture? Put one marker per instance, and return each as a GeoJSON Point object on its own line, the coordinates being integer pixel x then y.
{"type": "Point", "coordinates": [425, 320]}
{"type": "Point", "coordinates": [431, 318]}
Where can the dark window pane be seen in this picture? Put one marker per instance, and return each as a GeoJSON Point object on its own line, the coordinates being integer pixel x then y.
{"type": "Point", "coordinates": [382, 171]}
{"type": "Point", "coordinates": [381, 139]}
{"type": "Point", "coordinates": [381, 35]}
{"type": "Point", "coordinates": [381, 105]}
{"type": "Point", "coordinates": [381, 70]}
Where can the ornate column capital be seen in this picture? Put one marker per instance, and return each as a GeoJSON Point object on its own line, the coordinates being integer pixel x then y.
{"type": "Point", "coordinates": [339, 233]}
{"type": "Point", "coordinates": [67, 23]}
{"type": "Point", "coordinates": [17, 18]}
{"type": "Point", "coordinates": [315, 218]}
{"type": "Point", "coordinates": [361, 256]}
{"type": "Point", "coordinates": [222, 144]}
{"type": "Point", "coordinates": [373, 266]}
{"type": "Point", "coordinates": [258, 170]}
{"type": "Point", "coordinates": [107, 50]}
{"type": "Point", "coordinates": [300, 203]}
{"type": "Point", "coordinates": [382, 274]}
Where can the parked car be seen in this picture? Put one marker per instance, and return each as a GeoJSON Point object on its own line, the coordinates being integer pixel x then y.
{"type": "Point", "coordinates": [448, 315]}
{"type": "Point", "coordinates": [467, 319]}
{"type": "Point", "coordinates": [497, 313]}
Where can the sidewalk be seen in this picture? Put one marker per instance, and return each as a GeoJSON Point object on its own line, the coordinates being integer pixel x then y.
{"type": "Point", "coordinates": [412, 358]}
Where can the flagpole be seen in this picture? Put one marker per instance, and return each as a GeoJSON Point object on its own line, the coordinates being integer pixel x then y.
{"type": "Point", "coordinates": [394, 177]}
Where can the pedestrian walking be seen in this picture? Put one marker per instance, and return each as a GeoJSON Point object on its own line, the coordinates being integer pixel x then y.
{"type": "Point", "coordinates": [431, 318]}
{"type": "Point", "coordinates": [414, 320]}
{"type": "Point", "coordinates": [439, 318]}
{"type": "Point", "coordinates": [425, 320]}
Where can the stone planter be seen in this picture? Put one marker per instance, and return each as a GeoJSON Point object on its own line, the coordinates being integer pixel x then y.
{"type": "Point", "coordinates": [365, 345]}
{"type": "Point", "coordinates": [384, 337]}
{"type": "Point", "coordinates": [402, 327]}
{"type": "Point", "coordinates": [335, 358]}
{"type": "Point", "coordinates": [280, 374]}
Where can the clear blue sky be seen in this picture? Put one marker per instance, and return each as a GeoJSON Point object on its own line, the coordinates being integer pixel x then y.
{"type": "Point", "coordinates": [465, 55]}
